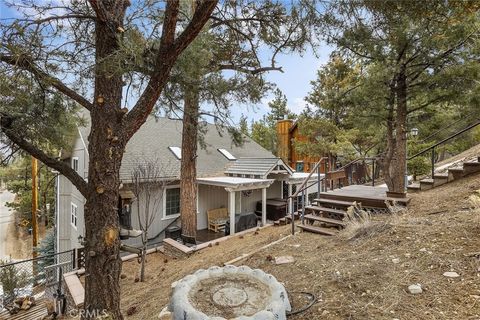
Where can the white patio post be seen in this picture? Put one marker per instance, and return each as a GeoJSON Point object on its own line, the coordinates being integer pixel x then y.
{"type": "Point", "coordinates": [264, 206]}
{"type": "Point", "coordinates": [231, 210]}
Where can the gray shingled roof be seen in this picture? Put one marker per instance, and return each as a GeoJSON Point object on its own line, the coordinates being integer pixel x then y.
{"type": "Point", "coordinates": [157, 134]}
{"type": "Point", "coordinates": [256, 166]}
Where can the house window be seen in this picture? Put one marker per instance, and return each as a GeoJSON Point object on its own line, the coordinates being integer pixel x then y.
{"type": "Point", "coordinates": [73, 215]}
{"type": "Point", "coordinates": [75, 163]}
{"type": "Point", "coordinates": [227, 154]}
{"type": "Point", "coordinates": [172, 202]}
{"type": "Point", "coordinates": [177, 152]}
{"type": "Point", "coordinates": [299, 166]}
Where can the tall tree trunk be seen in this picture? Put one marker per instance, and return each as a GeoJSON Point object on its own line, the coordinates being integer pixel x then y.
{"type": "Point", "coordinates": [106, 147]}
{"type": "Point", "coordinates": [394, 162]}
{"type": "Point", "coordinates": [399, 165]}
{"type": "Point", "coordinates": [188, 171]}
{"type": "Point", "coordinates": [391, 142]}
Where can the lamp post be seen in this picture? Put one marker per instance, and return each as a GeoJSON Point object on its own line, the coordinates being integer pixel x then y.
{"type": "Point", "coordinates": [413, 133]}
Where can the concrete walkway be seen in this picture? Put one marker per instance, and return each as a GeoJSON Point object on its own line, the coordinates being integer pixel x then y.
{"type": "Point", "coordinates": [6, 218]}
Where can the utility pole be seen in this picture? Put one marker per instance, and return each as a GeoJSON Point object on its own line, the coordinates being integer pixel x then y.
{"type": "Point", "coordinates": [34, 206]}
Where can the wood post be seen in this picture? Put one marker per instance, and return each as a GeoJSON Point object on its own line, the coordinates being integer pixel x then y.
{"type": "Point", "coordinates": [34, 205]}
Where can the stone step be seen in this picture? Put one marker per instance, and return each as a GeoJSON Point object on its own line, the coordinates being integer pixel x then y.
{"type": "Point", "coordinates": [426, 184]}
{"type": "Point", "coordinates": [319, 230]}
{"type": "Point", "coordinates": [335, 222]}
{"type": "Point", "coordinates": [326, 210]}
{"type": "Point", "coordinates": [471, 167]}
{"type": "Point", "coordinates": [414, 187]}
{"type": "Point", "coordinates": [455, 173]}
{"type": "Point", "coordinates": [443, 175]}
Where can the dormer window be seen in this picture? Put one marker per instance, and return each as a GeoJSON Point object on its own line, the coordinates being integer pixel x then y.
{"type": "Point", "coordinates": [177, 152]}
{"type": "Point", "coordinates": [227, 154]}
{"type": "Point", "coordinates": [75, 164]}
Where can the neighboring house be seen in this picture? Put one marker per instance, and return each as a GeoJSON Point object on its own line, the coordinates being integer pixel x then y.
{"type": "Point", "coordinates": [288, 133]}
{"type": "Point", "coordinates": [228, 176]}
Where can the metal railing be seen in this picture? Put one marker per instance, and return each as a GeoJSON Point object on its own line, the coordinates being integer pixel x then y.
{"type": "Point", "coordinates": [304, 186]}
{"type": "Point", "coordinates": [432, 147]}
{"type": "Point", "coordinates": [37, 276]}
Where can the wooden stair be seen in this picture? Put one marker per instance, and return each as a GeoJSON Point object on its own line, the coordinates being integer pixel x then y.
{"type": "Point", "coordinates": [453, 173]}
{"type": "Point", "coordinates": [319, 230]}
{"type": "Point", "coordinates": [333, 203]}
{"type": "Point", "coordinates": [324, 216]}
{"type": "Point", "coordinates": [321, 209]}
{"type": "Point", "coordinates": [334, 222]}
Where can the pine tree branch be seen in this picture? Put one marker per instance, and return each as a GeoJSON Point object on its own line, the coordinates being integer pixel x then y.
{"type": "Point", "coordinates": [247, 70]}
{"type": "Point", "coordinates": [62, 167]}
{"type": "Point", "coordinates": [170, 49]}
{"type": "Point", "coordinates": [25, 63]}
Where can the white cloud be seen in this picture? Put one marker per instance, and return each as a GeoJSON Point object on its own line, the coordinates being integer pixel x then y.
{"type": "Point", "coordinates": [298, 105]}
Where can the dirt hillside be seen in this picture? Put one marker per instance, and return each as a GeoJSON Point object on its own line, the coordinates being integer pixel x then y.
{"type": "Point", "coordinates": [362, 274]}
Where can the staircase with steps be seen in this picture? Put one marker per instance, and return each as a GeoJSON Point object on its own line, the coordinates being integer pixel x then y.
{"type": "Point", "coordinates": [455, 172]}
{"type": "Point", "coordinates": [325, 216]}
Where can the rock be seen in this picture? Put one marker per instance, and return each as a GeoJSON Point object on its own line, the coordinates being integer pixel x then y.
{"type": "Point", "coordinates": [396, 261]}
{"type": "Point", "coordinates": [325, 312]}
{"type": "Point", "coordinates": [132, 310]}
{"type": "Point", "coordinates": [50, 306]}
{"type": "Point", "coordinates": [451, 274]}
{"type": "Point", "coordinates": [123, 276]}
{"type": "Point", "coordinates": [284, 260]}
{"type": "Point", "coordinates": [415, 288]}
{"type": "Point", "coordinates": [165, 314]}
{"type": "Point", "coordinates": [423, 250]}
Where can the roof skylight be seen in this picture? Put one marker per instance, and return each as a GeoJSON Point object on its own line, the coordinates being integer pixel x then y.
{"type": "Point", "coordinates": [227, 154]}
{"type": "Point", "coordinates": [177, 152]}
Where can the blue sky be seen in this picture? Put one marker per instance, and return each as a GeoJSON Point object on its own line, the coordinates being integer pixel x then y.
{"type": "Point", "coordinates": [298, 69]}
{"type": "Point", "coordinates": [294, 81]}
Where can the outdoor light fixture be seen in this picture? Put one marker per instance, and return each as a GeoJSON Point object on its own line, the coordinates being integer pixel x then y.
{"type": "Point", "coordinates": [414, 132]}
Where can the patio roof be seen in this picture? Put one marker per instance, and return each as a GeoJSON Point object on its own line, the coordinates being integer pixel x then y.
{"type": "Point", "coordinates": [298, 177]}
{"type": "Point", "coordinates": [236, 183]}
{"type": "Point", "coordinates": [261, 167]}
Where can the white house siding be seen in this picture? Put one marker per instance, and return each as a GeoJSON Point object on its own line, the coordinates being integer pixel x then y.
{"type": "Point", "coordinates": [156, 230]}
{"type": "Point", "coordinates": [68, 234]}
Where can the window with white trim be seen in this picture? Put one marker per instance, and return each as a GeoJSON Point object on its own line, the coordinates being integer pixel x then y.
{"type": "Point", "coordinates": [73, 215]}
{"type": "Point", "coordinates": [75, 163]}
{"type": "Point", "coordinates": [177, 152]}
{"type": "Point", "coordinates": [172, 202]}
{"type": "Point", "coordinates": [227, 154]}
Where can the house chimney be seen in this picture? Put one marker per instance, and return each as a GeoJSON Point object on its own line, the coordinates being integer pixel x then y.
{"type": "Point", "coordinates": [283, 139]}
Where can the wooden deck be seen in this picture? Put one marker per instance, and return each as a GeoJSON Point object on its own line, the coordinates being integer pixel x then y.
{"type": "Point", "coordinates": [369, 196]}
{"type": "Point", "coordinates": [208, 235]}
{"type": "Point", "coordinates": [35, 313]}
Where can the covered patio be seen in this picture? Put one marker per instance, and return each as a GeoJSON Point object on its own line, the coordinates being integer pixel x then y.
{"type": "Point", "coordinates": [234, 186]}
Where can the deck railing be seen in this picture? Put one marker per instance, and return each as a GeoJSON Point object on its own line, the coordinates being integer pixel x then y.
{"type": "Point", "coordinates": [39, 275]}
{"type": "Point", "coordinates": [432, 147]}
{"type": "Point", "coordinates": [305, 185]}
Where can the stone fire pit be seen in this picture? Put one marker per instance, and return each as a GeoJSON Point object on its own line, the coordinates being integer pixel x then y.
{"type": "Point", "coordinates": [229, 293]}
